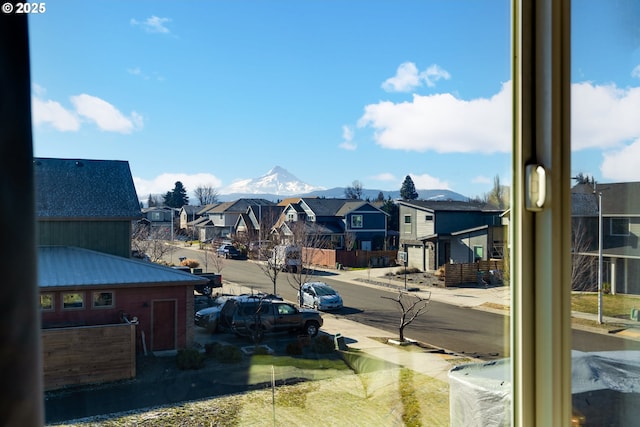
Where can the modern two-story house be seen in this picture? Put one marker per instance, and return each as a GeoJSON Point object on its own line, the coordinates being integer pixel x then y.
{"type": "Point", "coordinates": [433, 233]}
{"type": "Point", "coordinates": [620, 226]}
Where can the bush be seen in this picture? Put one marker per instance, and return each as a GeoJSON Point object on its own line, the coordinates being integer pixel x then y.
{"type": "Point", "coordinates": [323, 344]}
{"type": "Point", "coordinates": [189, 358]}
{"type": "Point", "coordinates": [294, 349]}
{"type": "Point", "coordinates": [260, 351]}
{"type": "Point", "coordinates": [191, 263]}
{"type": "Point", "coordinates": [212, 348]}
{"type": "Point", "coordinates": [223, 353]}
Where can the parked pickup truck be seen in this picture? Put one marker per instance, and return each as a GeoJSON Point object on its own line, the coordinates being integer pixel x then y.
{"type": "Point", "coordinates": [215, 280]}
{"type": "Point", "coordinates": [254, 316]}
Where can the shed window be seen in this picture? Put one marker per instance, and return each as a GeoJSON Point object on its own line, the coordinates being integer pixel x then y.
{"type": "Point", "coordinates": [47, 302]}
{"type": "Point", "coordinates": [102, 299]}
{"type": "Point", "coordinates": [72, 300]}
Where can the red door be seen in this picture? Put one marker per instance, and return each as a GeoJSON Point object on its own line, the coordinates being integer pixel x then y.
{"type": "Point", "coordinates": [163, 326]}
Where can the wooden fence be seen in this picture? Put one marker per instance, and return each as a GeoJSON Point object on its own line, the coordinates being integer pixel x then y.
{"type": "Point", "coordinates": [457, 274]}
{"type": "Point", "coordinates": [355, 259]}
{"type": "Point", "coordinates": [87, 355]}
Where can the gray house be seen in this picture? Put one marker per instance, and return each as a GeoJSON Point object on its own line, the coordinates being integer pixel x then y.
{"type": "Point", "coordinates": [620, 233]}
{"type": "Point", "coordinates": [433, 233]}
{"type": "Point", "coordinates": [221, 218]}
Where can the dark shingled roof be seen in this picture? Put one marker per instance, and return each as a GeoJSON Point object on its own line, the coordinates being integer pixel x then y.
{"type": "Point", "coordinates": [79, 188]}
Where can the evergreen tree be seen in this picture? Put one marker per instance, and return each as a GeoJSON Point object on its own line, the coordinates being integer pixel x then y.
{"type": "Point", "coordinates": [393, 222]}
{"type": "Point", "coordinates": [176, 198]}
{"type": "Point", "coordinates": [408, 189]}
{"type": "Point", "coordinates": [380, 197]}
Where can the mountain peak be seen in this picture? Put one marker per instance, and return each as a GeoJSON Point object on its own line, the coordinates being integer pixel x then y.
{"type": "Point", "coordinates": [277, 181]}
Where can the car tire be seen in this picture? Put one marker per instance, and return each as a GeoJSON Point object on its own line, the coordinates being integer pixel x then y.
{"type": "Point", "coordinates": [311, 328]}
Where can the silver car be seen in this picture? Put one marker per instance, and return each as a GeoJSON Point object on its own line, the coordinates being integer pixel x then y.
{"type": "Point", "coordinates": [320, 296]}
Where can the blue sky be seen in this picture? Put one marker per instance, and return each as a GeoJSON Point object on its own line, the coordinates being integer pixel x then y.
{"type": "Point", "coordinates": [210, 92]}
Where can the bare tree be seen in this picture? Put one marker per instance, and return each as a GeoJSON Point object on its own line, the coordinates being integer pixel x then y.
{"type": "Point", "coordinates": [206, 194]}
{"type": "Point", "coordinates": [305, 236]}
{"type": "Point", "coordinates": [151, 242]}
{"type": "Point", "coordinates": [349, 240]}
{"type": "Point", "coordinates": [583, 273]}
{"type": "Point", "coordinates": [411, 307]}
{"type": "Point", "coordinates": [212, 259]}
{"type": "Point", "coordinates": [354, 191]}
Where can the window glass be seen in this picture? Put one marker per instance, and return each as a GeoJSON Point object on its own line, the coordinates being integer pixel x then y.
{"type": "Point", "coordinates": [605, 84]}
{"type": "Point", "coordinates": [102, 299]}
{"type": "Point", "coordinates": [72, 300]}
{"type": "Point", "coordinates": [47, 301]}
{"type": "Point", "coordinates": [413, 96]}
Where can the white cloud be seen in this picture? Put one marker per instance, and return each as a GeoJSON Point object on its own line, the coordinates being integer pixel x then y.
{"type": "Point", "coordinates": [481, 179]}
{"type": "Point", "coordinates": [427, 181]}
{"type": "Point", "coordinates": [104, 115]}
{"type": "Point", "coordinates": [408, 78]}
{"type": "Point", "coordinates": [53, 113]}
{"type": "Point", "coordinates": [603, 115]}
{"type": "Point", "coordinates": [347, 139]}
{"type": "Point", "coordinates": [153, 24]}
{"type": "Point", "coordinates": [443, 123]}
{"type": "Point", "coordinates": [636, 72]}
{"type": "Point", "coordinates": [385, 176]}
{"type": "Point", "coordinates": [434, 73]}
{"type": "Point", "coordinates": [166, 182]}
{"type": "Point", "coordinates": [622, 165]}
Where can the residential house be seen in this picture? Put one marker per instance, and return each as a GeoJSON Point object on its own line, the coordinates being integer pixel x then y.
{"type": "Point", "coordinates": [339, 223]}
{"type": "Point", "coordinates": [160, 221]}
{"type": "Point", "coordinates": [433, 233]}
{"type": "Point", "coordinates": [187, 217]}
{"type": "Point", "coordinates": [221, 218]}
{"type": "Point", "coordinates": [99, 307]}
{"type": "Point", "coordinates": [620, 225]}
{"type": "Point", "coordinates": [256, 223]}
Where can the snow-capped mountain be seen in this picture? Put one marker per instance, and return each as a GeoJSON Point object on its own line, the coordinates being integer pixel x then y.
{"type": "Point", "coordinates": [277, 181]}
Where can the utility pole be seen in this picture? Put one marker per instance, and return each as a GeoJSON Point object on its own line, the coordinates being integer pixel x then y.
{"type": "Point", "coordinates": [599, 257]}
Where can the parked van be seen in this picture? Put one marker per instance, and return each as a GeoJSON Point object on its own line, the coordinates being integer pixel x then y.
{"type": "Point", "coordinates": [287, 257]}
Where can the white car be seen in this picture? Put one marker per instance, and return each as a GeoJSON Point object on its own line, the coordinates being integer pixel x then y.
{"type": "Point", "coordinates": [320, 296]}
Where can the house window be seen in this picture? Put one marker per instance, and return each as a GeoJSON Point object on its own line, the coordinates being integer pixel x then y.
{"type": "Point", "coordinates": [356, 221]}
{"type": "Point", "coordinates": [156, 216]}
{"type": "Point", "coordinates": [478, 253]}
{"type": "Point", "coordinates": [619, 227]}
{"type": "Point", "coordinates": [407, 224]}
{"type": "Point", "coordinates": [290, 217]}
{"type": "Point", "coordinates": [72, 300]}
{"type": "Point", "coordinates": [102, 299]}
{"type": "Point", "coordinates": [46, 302]}
{"type": "Point", "coordinates": [428, 217]}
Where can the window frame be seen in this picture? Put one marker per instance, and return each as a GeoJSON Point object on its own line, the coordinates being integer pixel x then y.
{"type": "Point", "coordinates": [83, 298]}
{"type": "Point", "coordinates": [613, 230]}
{"type": "Point", "coordinates": [103, 307]}
{"type": "Point", "coordinates": [52, 296]}
{"type": "Point", "coordinates": [355, 223]}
